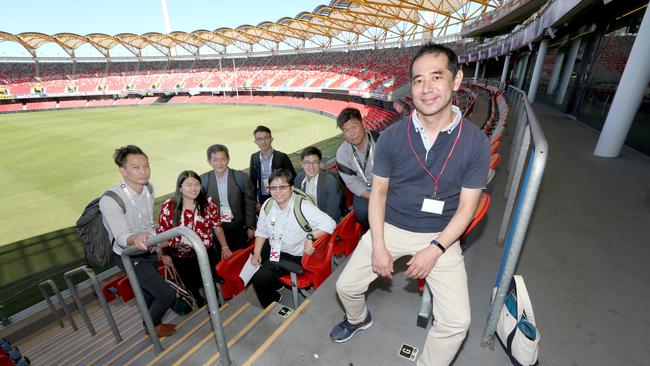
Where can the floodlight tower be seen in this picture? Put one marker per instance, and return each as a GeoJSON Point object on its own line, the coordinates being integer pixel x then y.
{"type": "Point", "coordinates": [168, 23]}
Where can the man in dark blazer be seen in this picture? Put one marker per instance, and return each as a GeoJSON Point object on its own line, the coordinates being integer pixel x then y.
{"type": "Point", "coordinates": [265, 161]}
{"type": "Point", "coordinates": [233, 193]}
{"type": "Point", "coordinates": [315, 182]}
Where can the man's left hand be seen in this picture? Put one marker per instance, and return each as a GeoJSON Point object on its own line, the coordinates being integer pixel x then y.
{"type": "Point", "coordinates": [422, 262]}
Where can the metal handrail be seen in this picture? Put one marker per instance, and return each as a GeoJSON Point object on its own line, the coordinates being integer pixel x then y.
{"type": "Point", "coordinates": [515, 226]}
{"type": "Point", "coordinates": [55, 289]}
{"type": "Point", "coordinates": [208, 287]}
{"type": "Point", "coordinates": [100, 295]}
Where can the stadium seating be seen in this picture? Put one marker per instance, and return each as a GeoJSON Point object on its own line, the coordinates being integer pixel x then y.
{"type": "Point", "coordinates": [11, 107]}
{"type": "Point", "coordinates": [379, 71]}
{"type": "Point", "coordinates": [229, 270]}
{"type": "Point", "coordinates": [11, 355]}
{"type": "Point", "coordinates": [315, 269]}
{"type": "Point", "coordinates": [347, 235]}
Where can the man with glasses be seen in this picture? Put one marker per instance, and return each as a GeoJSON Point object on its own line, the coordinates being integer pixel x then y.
{"type": "Point", "coordinates": [279, 236]}
{"type": "Point", "coordinates": [354, 160]}
{"type": "Point", "coordinates": [320, 185]}
{"type": "Point", "coordinates": [265, 161]}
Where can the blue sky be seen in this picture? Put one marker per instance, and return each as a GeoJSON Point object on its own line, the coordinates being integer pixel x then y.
{"type": "Point", "coordinates": [137, 16]}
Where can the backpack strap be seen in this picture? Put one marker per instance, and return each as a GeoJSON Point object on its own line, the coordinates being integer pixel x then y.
{"type": "Point", "coordinates": [266, 206]}
{"type": "Point", "coordinates": [118, 199]}
{"type": "Point", "coordinates": [297, 208]}
{"type": "Point", "coordinates": [344, 169]}
{"type": "Point", "coordinates": [374, 135]}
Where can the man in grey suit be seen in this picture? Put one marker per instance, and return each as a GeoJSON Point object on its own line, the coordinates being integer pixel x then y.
{"type": "Point", "coordinates": [233, 193]}
{"type": "Point", "coordinates": [320, 185]}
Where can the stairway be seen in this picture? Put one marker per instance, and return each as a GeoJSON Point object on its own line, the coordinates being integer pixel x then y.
{"type": "Point", "coordinates": [248, 328]}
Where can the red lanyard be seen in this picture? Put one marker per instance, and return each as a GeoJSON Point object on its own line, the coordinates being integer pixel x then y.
{"type": "Point", "coordinates": [435, 180]}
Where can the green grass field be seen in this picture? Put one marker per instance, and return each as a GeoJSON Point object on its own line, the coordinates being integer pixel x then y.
{"type": "Point", "coordinates": [54, 163]}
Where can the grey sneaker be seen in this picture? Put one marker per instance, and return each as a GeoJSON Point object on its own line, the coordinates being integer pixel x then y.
{"type": "Point", "coordinates": [345, 330]}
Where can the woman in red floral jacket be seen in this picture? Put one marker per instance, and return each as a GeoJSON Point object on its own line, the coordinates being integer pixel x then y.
{"type": "Point", "coordinates": [189, 207]}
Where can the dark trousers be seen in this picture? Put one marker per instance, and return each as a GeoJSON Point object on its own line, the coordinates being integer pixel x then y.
{"type": "Point", "coordinates": [265, 280]}
{"type": "Point", "coordinates": [190, 273]}
{"type": "Point", "coordinates": [360, 206]}
{"type": "Point", "coordinates": [158, 295]}
{"type": "Point", "coordinates": [235, 236]}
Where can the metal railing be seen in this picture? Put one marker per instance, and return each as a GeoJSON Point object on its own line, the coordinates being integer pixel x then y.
{"type": "Point", "coordinates": [208, 287]}
{"type": "Point", "coordinates": [42, 286]}
{"type": "Point", "coordinates": [520, 198]}
{"type": "Point", "coordinates": [100, 296]}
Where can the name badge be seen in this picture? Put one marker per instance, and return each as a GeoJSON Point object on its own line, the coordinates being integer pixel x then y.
{"type": "Point", "coordinates": [226, 214]}
{"type": "Point", "coordinates": [276, 245]}
{"type": "Point", "coordinates": [433, 204]}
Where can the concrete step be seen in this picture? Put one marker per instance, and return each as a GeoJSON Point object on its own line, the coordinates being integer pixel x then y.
{"type": "Point", "coordinates": [191, 347]}
{"type": "Point", "coordinates": [252, 357]}
{"type": "Point", "coordinates": [123, 318]}
{"type": "Point", "coordinates": [138, 341]}
{"type": "Point", "coordinates": [256, 334]}
{"type": "Point", "coordinates": [54, 341]}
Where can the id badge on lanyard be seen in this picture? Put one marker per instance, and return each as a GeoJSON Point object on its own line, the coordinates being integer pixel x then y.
{"type": "Point", "coordinates": [433, 204]}
{"type": "Point", "coordinates": [226, 214]}
{"type": "Point", "coordinates": [275, 243]}
{"type": "Point", "coordinates": [276, 246]}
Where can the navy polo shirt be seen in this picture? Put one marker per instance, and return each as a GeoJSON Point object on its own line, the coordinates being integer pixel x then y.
{"type": "Point", "coordinates": [410, 183]}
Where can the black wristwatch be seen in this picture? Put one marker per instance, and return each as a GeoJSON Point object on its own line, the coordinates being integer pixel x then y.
{"type": "Point", "coordinates": [310, 236]}
{"type": "Point", "coordinates": [436, 243]}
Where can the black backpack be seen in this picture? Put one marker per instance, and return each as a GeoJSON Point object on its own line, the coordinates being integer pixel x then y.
{"type": "Point", "coordinates": [93, 234]}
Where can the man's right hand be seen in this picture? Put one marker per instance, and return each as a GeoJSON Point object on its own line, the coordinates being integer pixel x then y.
{"type": "Point", "coordinates": [382, 261]}
{"type": "Point", "coordinates": [140, 240]}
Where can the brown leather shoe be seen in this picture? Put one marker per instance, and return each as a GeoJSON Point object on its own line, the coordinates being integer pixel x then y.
{"type": "Point", "coordinates": [168, 326]}
{"type": "Point", "coordinates": [163, 330]}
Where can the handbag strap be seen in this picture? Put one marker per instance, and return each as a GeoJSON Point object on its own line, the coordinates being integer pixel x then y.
{"type": "Point", "coordinates": [523, 300]}
{"type": "Point", "coordinates": [172, 275]}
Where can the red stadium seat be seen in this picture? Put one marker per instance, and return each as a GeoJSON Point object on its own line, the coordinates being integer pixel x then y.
{"type": "Point", "coordinates": [229, 270]}
{"type": "Point", "coordinates": [347, 235]}
{"type": "Point", "coordinates": [317, 267]}
{"type": "Point", "coordinates": [495, 159]}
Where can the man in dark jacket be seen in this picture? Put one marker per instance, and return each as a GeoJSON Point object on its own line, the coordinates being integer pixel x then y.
{"type": "Point", "coordinates": [233, 193]}
{"type": "Point", "coordinates": [320, 185]}
{"type": "Point", "coordinates": [265, 161]}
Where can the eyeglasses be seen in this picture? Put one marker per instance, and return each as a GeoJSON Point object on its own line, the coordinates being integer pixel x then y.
{"type": "Point", "coordinates": [307, 162]}
{"type": "Point", "coordinates": [278, 188]}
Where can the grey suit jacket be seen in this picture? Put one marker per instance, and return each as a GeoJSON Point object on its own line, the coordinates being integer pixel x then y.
{"type": "Point", "coordinates": [328, 195]}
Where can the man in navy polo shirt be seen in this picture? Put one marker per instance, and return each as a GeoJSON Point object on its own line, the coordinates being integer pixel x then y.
{"type": "Point", "coordinates": [428, 174]}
